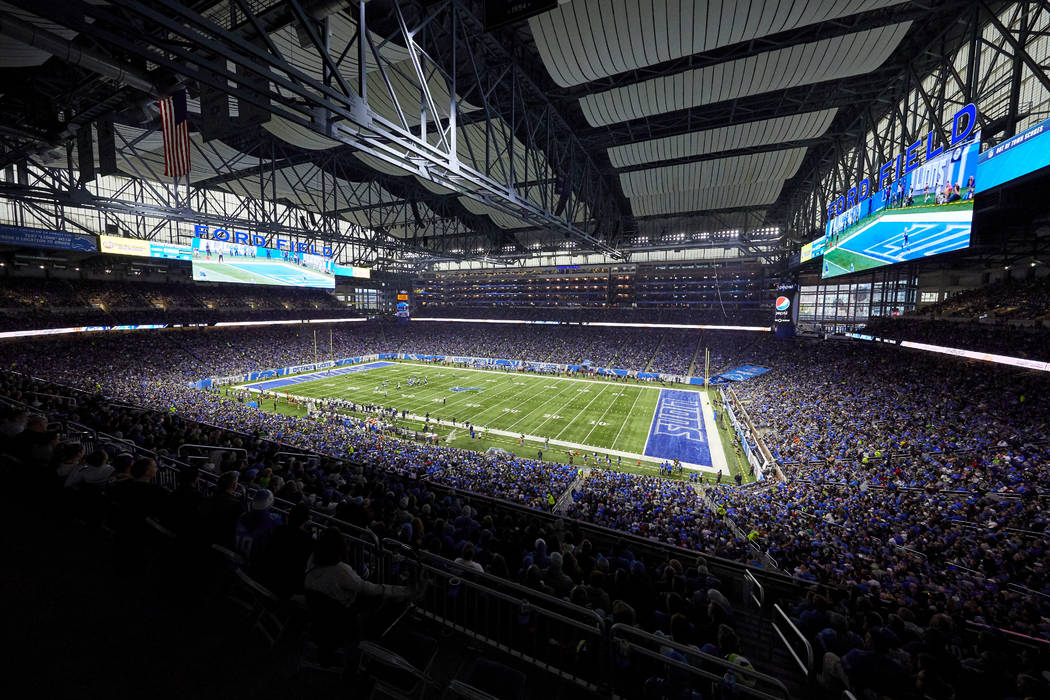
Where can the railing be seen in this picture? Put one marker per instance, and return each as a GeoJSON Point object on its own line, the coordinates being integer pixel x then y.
{"type": "Point", "coordinates": [795, 642]}
{"type": "Point", "coordinates": [66, 400]}
{"type": "Point", "coordinates": [548, 637]}
{"type": "Point", "coordinates": [211, 448]}
{"type": "Point", "coordinates": [697, 669]}
{"type": "Point", "coordinates": [755, 590]}
{"type": "Point", "coordinates": [748, 433]}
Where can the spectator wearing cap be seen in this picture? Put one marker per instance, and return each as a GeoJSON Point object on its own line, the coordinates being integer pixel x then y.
{"type": "Point", "coordinates": [255, 527]}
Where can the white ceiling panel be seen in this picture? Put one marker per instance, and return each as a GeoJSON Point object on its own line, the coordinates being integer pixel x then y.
{"type": "Point", "coordinates": [749, 135]}
{"type": "Point", "coordinates": [708, 198]}
{"type": "Point", "coordinates": [802, 64]}
{"type": "Point", "coordinates": [586, 40]}
{"type": "Point", "coordinates": [737, 170]}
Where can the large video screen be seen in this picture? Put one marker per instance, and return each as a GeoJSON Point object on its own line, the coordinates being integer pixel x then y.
{"type": "Point", "coordinates": [116, 245]}
{"type": "Point", "coordinates": [221, 261]}
{"type": "Point", "coordinates": [926, 212]}
{"type": "Point", "coordinates": [1027, 152]}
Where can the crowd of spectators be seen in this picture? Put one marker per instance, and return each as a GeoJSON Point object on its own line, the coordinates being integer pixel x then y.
{"type": "Point", "coordinates": [1029, 342]}
{"type": "Point", "coordinates": [728, 314]}
{"type": "Point", "coordinates": [914, 481]}
{"type": "Point", "coordinates": [1005, 299]}
{"type": "Point", "coordinates": [32, 303]}
{"type": "Point", "coordinates": [917, 545]}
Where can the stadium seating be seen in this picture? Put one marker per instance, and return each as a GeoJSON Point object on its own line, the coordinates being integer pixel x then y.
{"type": "Point", "coordinates": [31, 304]}
{"type": "Point", "coordinates": [917, 506]}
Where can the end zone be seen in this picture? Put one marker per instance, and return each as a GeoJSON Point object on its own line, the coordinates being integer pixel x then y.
{"type": "Point", "coordinates": [678, 430]}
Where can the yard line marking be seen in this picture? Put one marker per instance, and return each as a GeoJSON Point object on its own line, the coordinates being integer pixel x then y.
{"type": "Point", "coordinates": [598, 421]}
{"type": "Point", "coordinates": [582, 410]}
{"type": "Point", "coordinates": [533, 411]}
{"type": "Point", "coordinates": [628, 420]}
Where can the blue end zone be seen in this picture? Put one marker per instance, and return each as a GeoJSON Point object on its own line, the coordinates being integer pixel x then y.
{"type": "Point", "coordinates": [313, 376]}
{"type": "Point", "coordinates": [678, 429]}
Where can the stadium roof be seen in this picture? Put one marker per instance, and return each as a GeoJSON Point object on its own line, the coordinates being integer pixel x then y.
{"type": "Point", "coordinates": [593, 121]}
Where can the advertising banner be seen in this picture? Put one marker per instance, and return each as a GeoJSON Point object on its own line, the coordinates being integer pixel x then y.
{"type": "Point", "coordinates": [785, 313]}
{"type": "Point", "coordinates": [25, 237]}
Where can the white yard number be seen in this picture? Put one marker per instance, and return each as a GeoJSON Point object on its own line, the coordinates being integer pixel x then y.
{"type": "Point", "coordinates": [473, 405]}
{"type": "Point", "coordinates": [549, 386]}
{"type": "Point", "coordinates": [583, 391]}
{"type": "Point", "coordinates": [552, 416]}
{"type": "Point", "coordinates": [598, 422]}
{"type": "Point", "coordinates": [511, 410]}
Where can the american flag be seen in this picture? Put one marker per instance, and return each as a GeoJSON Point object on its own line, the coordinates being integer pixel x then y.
{"type": "Point", "coordinates": [176, 128]}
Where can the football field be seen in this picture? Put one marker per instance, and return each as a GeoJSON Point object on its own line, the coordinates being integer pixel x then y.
{"type": "Point", "coordinates": [632, 421]}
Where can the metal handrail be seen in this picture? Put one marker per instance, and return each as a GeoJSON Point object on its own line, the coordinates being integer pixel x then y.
{"type": "Point", "coordinates": [807, 665]}
{"type": "Point", "coordinates": [621, 631]}
{"type": "Point", "coordinates": [755, 590]}
{"type": "Point", "coordinates": [240, 450]}
{"type": "Point", "coordinates": [494, 582]}
{"type": "Point", "coordinates": [67, 399]}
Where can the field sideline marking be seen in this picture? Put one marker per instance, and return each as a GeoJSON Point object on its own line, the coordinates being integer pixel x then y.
{"type": "Point", "coordinates": [572, 445]}
{"type": "Point", "coordinates": [714, 439]}
{"type": "Point", "coordinates": [546, 374]}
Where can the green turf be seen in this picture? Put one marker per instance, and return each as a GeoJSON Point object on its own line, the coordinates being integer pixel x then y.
{"type": "Point", "coordinates": [602, 415]}
{"type": "Point", "coordinates": [533, 409]}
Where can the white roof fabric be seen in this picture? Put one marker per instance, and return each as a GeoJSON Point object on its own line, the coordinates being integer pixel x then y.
{"type": "Point", "coordinates": [796, 127]}
{"type": "Point", "coordinates": [802, 64]}
{"type": "Point", "coordinates": [586, 40]}
{"type": "Point", "coordinates": [708, 198]}
{"type": "Point", "coordinates": [737, 170]}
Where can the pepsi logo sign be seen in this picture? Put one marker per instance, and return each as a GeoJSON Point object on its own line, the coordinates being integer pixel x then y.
{"type": "Point", "coordinates": [783, 303]}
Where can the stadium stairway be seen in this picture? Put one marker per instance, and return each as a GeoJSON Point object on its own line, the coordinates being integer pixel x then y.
{"type": "Point", "coordinates": [656, 350]}
{"type": "Point", "coordinates": [696, 355]}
